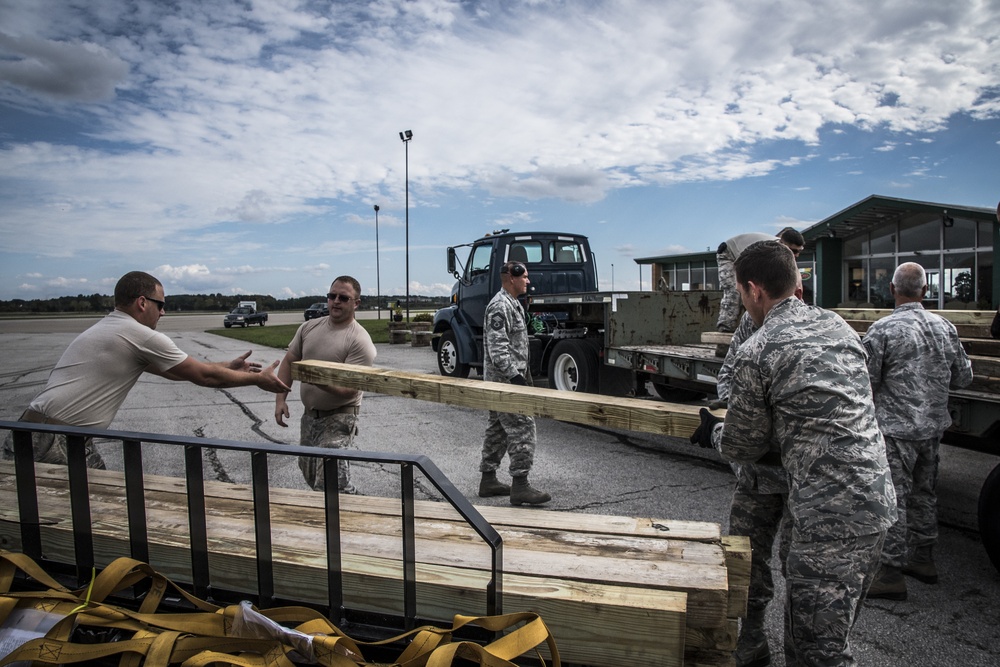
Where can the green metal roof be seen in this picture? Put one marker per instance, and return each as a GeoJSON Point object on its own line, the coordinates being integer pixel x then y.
{"type": "Point", "coordinates": [863, 216]}
{"type": "Point", "coordinates": [876, 211]}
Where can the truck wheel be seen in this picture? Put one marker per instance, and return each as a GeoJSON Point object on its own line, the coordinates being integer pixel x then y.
{"type": "Point", "coordinates": [989, 516]}
{"type": "Point", "coordinates": [262, 322]}
{"type": "Point", "coordinates": [227, 324]}
{"type": "Point", "coordinates": [672, 394]}
{"type": "Point", "coordinates": [573, 366]}
{"type": "Point", "coordinates": [448, 363]}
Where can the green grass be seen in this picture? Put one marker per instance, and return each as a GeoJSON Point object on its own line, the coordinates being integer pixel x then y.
{"type": "Point", "coordinates": [281, 335]}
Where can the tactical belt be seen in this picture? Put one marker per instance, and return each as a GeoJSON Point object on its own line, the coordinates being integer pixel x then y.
{"type": "Point", "coordinates": [342, 410]}
{"type": "Point", "coordinates": [35, 417]}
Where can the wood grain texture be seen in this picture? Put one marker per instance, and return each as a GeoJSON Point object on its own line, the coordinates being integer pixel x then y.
{"type": "Point", "coordinates": [614, 590]}
{"type": "Point", "coordinates": [595, 410]}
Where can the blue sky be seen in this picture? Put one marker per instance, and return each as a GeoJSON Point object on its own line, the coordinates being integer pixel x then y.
{"type": "Point", "coordinates": [239, 147]}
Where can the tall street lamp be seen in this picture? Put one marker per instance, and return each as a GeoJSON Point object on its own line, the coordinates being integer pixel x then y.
{"type": "Point", "coordinates": [378, 279]}
{"type": "Point", "coordinates": [406, 135]}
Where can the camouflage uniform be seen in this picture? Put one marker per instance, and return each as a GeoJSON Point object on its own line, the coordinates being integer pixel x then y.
{"type": "Point", "coordinates": [757, 509]}
{"type": "Point", "coordinates": [914, 358]}
{"type": "Point", "coordinates": [800, 383]}
{"type": "Point", "coordinates": [505, 356]}
{"type": "Point", "coordinates": [333, 431]}
{"type": "Point", "coordinates": [729, 307]}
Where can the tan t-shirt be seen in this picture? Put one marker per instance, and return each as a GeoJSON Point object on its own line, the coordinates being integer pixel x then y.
{"type": "Point", "coordinates": [95, 373]}
{"type": "Point", "coordinates": [321, 340]}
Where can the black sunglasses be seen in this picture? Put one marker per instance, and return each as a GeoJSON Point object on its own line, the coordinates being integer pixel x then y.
{"type": "Point", "coordinates": [161, 304]}
{"type": "Point", "coordinates": [343, 298]}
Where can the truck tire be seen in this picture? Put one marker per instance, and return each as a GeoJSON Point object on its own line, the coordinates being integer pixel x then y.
{"type": "Point", "coordinates": [989, 516]}
{"type": "Point", "coordinates": [573, 366]}
{"type": "Point", "coordinates": [448, 363]}
{"type": "Point", "coordinates": [226, 324]}
{"type": "Point", "coordinates": [262, 322]}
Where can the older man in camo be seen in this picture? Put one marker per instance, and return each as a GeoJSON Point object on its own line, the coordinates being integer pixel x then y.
{"type": "Point", "coordinates": [800, 388]}
{"type": "Point", "coordinates": [914, 357]}
{"type": "Point", "coordinates": [505, 360]}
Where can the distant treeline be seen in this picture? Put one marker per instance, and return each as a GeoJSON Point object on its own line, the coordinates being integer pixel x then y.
{"type": "Point", "coordinates": [101, 303]}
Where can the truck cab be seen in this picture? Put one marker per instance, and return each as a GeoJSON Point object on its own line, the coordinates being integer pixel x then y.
{"type": "Point", "coordinates": [556, 262]}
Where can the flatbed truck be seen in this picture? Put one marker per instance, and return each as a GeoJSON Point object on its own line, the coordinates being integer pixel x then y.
{"type": "Point", "coordinates": [620, 343]}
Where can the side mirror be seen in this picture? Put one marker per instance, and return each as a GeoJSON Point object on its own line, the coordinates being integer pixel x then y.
{"type": "Point", "coordinates": [452, 262]}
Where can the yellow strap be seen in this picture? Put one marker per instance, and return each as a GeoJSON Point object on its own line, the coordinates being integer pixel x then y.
{"type": "Point", "coordinates": [11, 561]}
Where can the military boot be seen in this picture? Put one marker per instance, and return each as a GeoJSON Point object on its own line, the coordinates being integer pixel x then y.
{"type": "Point", "coordinates": [752, 649]}
{"type": "Point", "coordinates": [489, 486]}
{"type": "Point", "coordinates": [888, 585]}
{"type": "Point", "coordinates": [522, 492]}
{"type": "Point", "coordinates": [921, 566]}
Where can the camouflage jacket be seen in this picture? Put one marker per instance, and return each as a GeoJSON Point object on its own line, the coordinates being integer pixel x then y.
{"type": "Point", "coordinates": [744, 330]}
{"type": "Point", "coordinates": [801, 382]}
{"type": "Point", "coordinates": [505, 339]}
{"type": "Point", "coordinates": [757, 477]}
{"type": "Point", "coordinates": [914, 356]}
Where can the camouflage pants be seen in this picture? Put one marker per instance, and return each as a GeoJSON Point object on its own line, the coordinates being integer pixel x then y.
{"type": "Point", "coordinates": [51, 447]}
{"type": "Point", "coordinates": [825, 585]}
{"type": "Point", "coordinates": [334, 431]}
{"type": "Point", "coordinates": [509, 434]}
{"type": "Point", "coordinates": [914, 466]}
{"type": "Point", "coordinates": [759, 516]}
{"type": "Point", "coordinates": [729, 307]}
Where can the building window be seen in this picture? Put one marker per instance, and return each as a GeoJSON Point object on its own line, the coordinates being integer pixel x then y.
{"type": "Point", "coordinates": [883, 240]}
{"type": "Point", "coordinates": [960, 234]}
{"type": "Point", "coordinates": [984, 279]}
{"type": "Point", "coordinates": [697, 276]}
{"type": "Point", "coordinates": [919, 232]}
{"type": "Point", "coordinates": [956, 253]}
{"type": "Point", "coordinates": [712, 277]}
{"type": "Point", "coordinates": [958, 282]}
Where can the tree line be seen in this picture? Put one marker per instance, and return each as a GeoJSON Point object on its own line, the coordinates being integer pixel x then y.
{"type": "Point", "coordinates": [102, 303]}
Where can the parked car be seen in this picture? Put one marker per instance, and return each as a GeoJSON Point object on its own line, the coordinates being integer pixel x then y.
{"type": "Point", "coordinates": [244, 316]}
{"type": "Point", "coordinates": [318, 309]}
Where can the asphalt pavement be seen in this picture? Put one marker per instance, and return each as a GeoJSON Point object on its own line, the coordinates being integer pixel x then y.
{"type": "Point", "coordinates": [586, 469]}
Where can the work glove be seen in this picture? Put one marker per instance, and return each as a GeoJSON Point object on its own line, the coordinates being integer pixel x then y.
{"type": "Point", "coordinates": [519, 380]}
{"type": "Point", "coordinates": [703, 434]}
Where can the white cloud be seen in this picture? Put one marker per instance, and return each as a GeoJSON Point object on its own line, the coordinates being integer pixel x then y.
{"type": "Point", "coordinates": [201, 136]}
{"type": "Point", "coordinates": [65, 71]}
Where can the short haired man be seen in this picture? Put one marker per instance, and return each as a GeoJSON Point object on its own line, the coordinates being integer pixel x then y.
{"type": "Point", "coordinates": [727, 254]}
{"type": "Point", "coordinates": [505, 360]}
{"type": "Point", "coordinates": [914, 357]}
{"type": "Point", "coordinates": [93, 376]}
{"type": "Point", "coordinates": [330, 417]}
{"type": "Point", "coordinates": [800, 389]}
{"type": "Point", "coordinates": [757, 510]}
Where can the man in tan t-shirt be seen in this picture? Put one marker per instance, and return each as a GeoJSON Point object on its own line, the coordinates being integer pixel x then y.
{"type": "Point", "coordinates": [331, 413]}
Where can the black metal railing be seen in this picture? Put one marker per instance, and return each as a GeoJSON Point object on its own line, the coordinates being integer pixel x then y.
{"type": "Point", "coordinates": [132, 450]}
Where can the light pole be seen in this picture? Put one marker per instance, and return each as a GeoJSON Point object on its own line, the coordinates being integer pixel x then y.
{"type": "Point", "coordinates": [612, 277]}
{"type": "Point", "coordinates": [406, 135]}
{"type": "Point", "coordinates": [378, 279]}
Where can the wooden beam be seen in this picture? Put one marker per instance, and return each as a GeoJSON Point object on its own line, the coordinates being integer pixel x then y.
{"type": "Point", "coordinates": [973, 317]}
{"type": "Point", "coordinates": [608, 411]}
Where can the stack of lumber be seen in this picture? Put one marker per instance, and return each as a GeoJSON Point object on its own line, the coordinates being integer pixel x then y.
{"type": "Point", "coordinates": [973, 329]}
{"type": "Point", "coordinates": [614, 591]}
